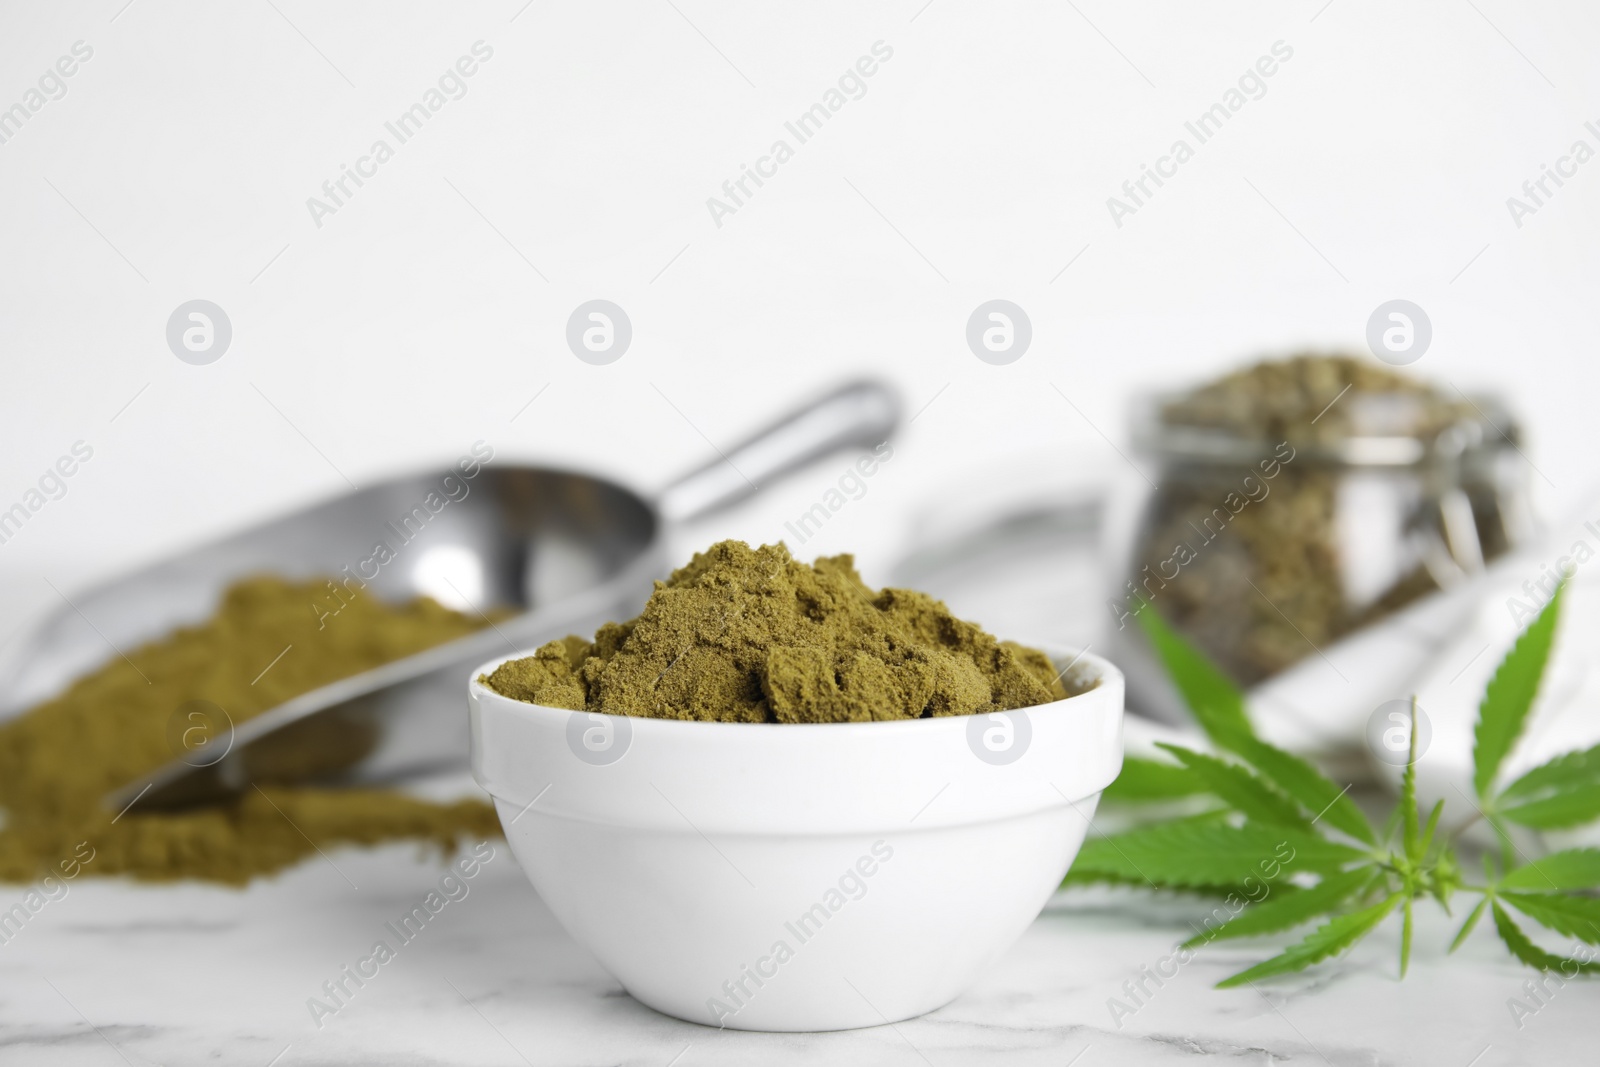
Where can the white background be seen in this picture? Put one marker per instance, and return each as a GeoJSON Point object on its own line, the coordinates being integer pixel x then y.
{"type": "Point", "coordinates": [411, 323]}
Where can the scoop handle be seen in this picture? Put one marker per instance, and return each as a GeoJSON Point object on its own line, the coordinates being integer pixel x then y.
{"type": "Point", "coordinates": [859, 414]}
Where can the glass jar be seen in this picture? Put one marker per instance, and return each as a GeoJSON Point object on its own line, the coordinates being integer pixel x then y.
{"type": "Point", "coordinates": [1294, 507]}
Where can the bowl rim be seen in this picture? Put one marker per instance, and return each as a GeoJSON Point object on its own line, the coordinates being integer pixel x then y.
{"type": "Point", "coordinates": [1107, 675]}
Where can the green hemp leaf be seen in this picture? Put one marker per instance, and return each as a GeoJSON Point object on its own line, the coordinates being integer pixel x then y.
{"type": "Point", "coordinates": [1285, 846]}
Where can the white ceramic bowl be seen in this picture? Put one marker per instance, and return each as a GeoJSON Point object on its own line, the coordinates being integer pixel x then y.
{"type": "Point", "coordinates": [797, 877]}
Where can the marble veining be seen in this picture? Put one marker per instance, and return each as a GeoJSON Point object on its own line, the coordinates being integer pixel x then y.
{"type": "Point", "coordinates": [178, 974]}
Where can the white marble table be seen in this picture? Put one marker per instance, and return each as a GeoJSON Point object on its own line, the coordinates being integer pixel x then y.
{"type": "Point", "coordinates": [188, 974]}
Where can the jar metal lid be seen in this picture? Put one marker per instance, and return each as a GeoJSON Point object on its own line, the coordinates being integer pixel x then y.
{"type": "Point", "coordinates": [1374, 430]}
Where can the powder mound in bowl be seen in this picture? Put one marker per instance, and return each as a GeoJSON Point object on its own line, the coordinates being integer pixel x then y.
{"type": "Point", "coordinates": [753, 635]}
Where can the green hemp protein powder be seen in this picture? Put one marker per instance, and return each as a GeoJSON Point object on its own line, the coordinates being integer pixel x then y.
{"type": "Point", "coordinates": [1302, 499]}
{"type": "Point", "coordinates": [746, 634]}
{"type": "Point", "coordinates": [59, 759]}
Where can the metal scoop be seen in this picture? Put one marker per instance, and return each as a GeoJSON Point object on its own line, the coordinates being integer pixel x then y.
{"type": "Point", "coordinates": [564, 551]}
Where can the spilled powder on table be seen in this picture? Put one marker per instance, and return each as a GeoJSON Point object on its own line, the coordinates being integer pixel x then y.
{"type": "Point", "coordinates": [59, 759]}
